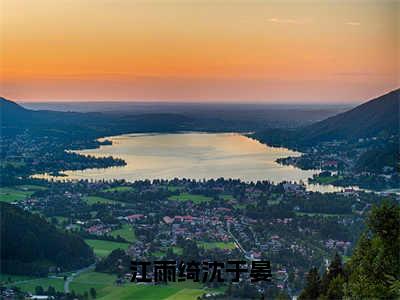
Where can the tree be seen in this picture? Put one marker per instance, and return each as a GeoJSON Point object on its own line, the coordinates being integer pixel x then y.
{"type": "Point", "coordinates": [312, 289]}
{"type": "Point", "coordinates": [335, 288]}
{"type": "Point", "coordinates": [93, 293]}
{"type": "Point", "coordinates": [51, 291]}
{"type": "Point", "coordinates": [39, 290]}
{"type": "Point", "coordinates": [375, 264]}
{"type": "Point", "coordinates": [334, 270]}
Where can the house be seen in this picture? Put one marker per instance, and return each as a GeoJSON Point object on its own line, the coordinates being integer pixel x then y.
{"type": "Point", "coordinates": [135, 217]}
{"type": "Point", "coordinates": [292, 187]}
{"type": "Point", "coordinates": [168, 220]}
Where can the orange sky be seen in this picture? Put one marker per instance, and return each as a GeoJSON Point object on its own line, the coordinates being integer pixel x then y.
{"type": "Point", "coordinates": [199, 50]}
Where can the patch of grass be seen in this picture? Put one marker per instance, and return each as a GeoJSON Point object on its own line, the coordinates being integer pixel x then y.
{"type": "Point", "coordinates": [95, 199]}
{"type": "Point", "coordinates": [8, 278]}
{"type": "Point", "coordinates": [99, 281]}
{"type": "Point", "coordinates": [227, 197]}
{"type": "Point", "coordinates": [119, 189]}
{"type": "Point", "coordinates": [220, 245]}
{"type": "Point", "coordinates": [30, 285]}
{"type": "Point", "coordinates": [187, 294]}
{"type": "Point", "coordinates": [273, 202]}
{"type": "Point", "coordinates": [173, 188]}
{"type": "Point", "coordinates": [190, 197]}
{"type": "Point", "coordinates": [30, 187]}
{"type": "Point", "coordinates": [134, 291]}
{"type": "Point", "coordinates": [127, 232]}
{"type": "Point", "coordinates": [176, 291]}
{"type": "Point", "coordinates": [240, 206]}
{"type": "Point", "coordinates": [103, 248]}
{"type": "Point", "coordinates": [8, 194]}
{"type": "Point", "coordinates": [327, 179]}
{"type": "Point", "coordinates": [158, 253]}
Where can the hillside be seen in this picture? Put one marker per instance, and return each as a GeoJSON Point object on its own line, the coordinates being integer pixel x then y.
{"type": "Point", "coordinates": [375, 117]}
{"type": "Point", "coordinates": [15, 119]}
{"type": "Point", "coordinates": [30, 245]}
{"type": "Point", "coordinates": [378, 116]}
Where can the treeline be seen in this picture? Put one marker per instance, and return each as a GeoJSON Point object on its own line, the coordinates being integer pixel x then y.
{"type": "Point", "coordinates": [31, 246]}
{"type": "Point", "coordinates": [373, 271]}
{"type": "Point", "coordinates": [376, 159]}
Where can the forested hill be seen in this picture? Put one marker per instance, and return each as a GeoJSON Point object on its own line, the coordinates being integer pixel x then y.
{"type": "Point", "coordinates": [378, 116]}
{"type": "Point", "coordinates": [30, 245]}
{"type": "Point", "coordinates": [15, 119]}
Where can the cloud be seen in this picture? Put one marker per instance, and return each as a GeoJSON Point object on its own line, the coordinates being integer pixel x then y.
{"type": "Point", "coordinates": [289, 21]}
{"type": "Point", "coordinates": [353, 23]}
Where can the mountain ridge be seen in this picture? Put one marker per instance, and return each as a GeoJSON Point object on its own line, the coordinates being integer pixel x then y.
{"type": "Point", "coordinates": [374, 117]}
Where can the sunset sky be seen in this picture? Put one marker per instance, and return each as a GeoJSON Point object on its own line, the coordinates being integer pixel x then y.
{"type": "Point", "coordinates": [199, 50]}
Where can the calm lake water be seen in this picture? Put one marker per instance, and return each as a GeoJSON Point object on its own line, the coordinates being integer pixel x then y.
{"type": "Point", "coordinates": [195, 156]}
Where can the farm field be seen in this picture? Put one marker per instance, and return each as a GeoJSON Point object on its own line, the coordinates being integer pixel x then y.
{"type": "Point", "coordinates": [220, 245]}
{"type": "Point", "coordinates": [29, 285]}
{"type": "Point", "coordinates": [103, 248]}
{"type": "Point", "coordinates": [190, 197]}
{"type": "Point", "coordinates": [227, 197]}
{"type": "Point", "coordinates": [8, 278]}
{"type": "Point", "coordinates": [127, 232]}
{"type": "Point", "coordinates": [119, 189]}
{"type": "Point", "coordinates": [99, 281]}
{"type": "Point", "coordinates": [176, 291]}
{"type": "Point", "coordinates": [17, 193]}
{"type": "Point", "coordinates": [95, 199]}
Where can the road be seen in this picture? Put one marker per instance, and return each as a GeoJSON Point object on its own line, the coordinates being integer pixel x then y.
{"type": "Point", "coordinates": [73, 275]}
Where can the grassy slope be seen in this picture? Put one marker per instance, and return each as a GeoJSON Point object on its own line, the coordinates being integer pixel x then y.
{"type": "Point", "coordinates": [221, 245]}
{"type": "Point", "coordinates": [18, 193]}
{"type": "Point", "coordinates": [127, 232]}
{"type": "Point", "coordinates": [94, 199]}
{"type": "Point", "coordinates": [30, 285]}
{"type": "Point", "coordinates": [190, 197]}
{"type": "Point", "coordinates": [103, 248]}
{"type": "Point", "coordinates": [107, 289]}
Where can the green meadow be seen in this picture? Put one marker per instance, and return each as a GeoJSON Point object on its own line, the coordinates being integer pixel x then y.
{"type": "Point", "coordinates": [119, 189]}
{"type": "Point", "coordinates": [102, 282]}
{"type": "Point", "coordinates": [127, 232]}
{"type": "Point", "coordinates": [107, 289]}
{"type": "Point", "coordinates": [175, 291]}
{"type": "Point", "coordinates": [95, 199]}
{"type": "Point", "coordinates": [8, 278]}
{"type": "Point", "coordinates": [227, 197]}
{"type": "Point", "coordinates": [103, 248]}
{"type": "Point", "coordinates": [18, 193]}
{"type": "Point", "coordinates": [220, 245]}
{"type": "Point", "coordinates": [190, 197]}
{"type": "Point", "coordinates": [29, 285]}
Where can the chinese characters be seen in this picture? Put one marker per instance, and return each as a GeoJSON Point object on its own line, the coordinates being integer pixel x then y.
{"type": "Point", "coordinates": [171, 271]}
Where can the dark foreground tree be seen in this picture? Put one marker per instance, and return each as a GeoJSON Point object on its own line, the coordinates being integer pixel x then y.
{"type": "Point", "coordinates": [313, 286]}
{"type": "Point", "coordinates": [375, 264]}
{"type": "Point", "coordinates": [373, 271]}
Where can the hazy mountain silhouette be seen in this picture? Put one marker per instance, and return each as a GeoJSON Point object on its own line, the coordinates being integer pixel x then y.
{"type": "Point", "coordinates": [375, 117]}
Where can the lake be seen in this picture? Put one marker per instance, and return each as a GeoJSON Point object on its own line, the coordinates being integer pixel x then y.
{"type": "Point", "coordinates": [196, 156]}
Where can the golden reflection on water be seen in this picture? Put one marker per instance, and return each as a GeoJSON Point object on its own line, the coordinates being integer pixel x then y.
{"type": "Point", "coordinates": [193, 155]}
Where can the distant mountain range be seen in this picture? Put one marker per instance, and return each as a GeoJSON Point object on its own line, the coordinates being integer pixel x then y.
{"type": "Point", "coordinates": [15, 119]}
{"type": "Point", "coordinates": [378, 116]}
{"type": "Point", "coordinates": [113, 118]}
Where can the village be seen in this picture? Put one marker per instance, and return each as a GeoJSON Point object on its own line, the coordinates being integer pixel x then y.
{"type": "Point", "coordinates": [205, 220]}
